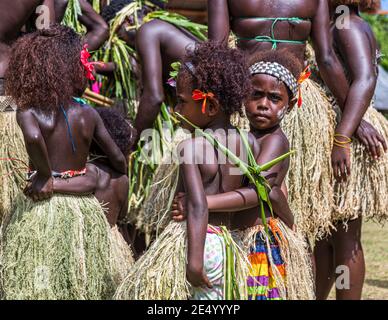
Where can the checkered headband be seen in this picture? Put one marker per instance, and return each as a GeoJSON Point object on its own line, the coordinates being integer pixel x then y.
{"type": "Point", "coordinates": [278, 71]}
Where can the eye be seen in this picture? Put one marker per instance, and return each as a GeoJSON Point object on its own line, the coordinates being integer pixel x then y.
{"type": "Point", "coordinates": [275, 97]}
{"type": "Point", "coordinates": [257, 94]}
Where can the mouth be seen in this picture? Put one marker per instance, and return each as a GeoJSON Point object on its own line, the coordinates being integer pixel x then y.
{"type": "Point", "coordinates": [260, 117]}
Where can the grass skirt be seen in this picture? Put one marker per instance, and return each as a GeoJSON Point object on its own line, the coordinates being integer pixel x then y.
{"type": "Point", "coordinates": [154, 214]}
{"type": "Point", "coordinates": [57, 249]}
{"type": "Point", "coordinates": [365, 193]}
{"type": "Point", "coordinates": [13, 160]}
{"type": "Point", "coordinates": [122, 256]}
{"type": "Point", "coordinates": [160, 274]}
{"type": "Point", "coordinates": [309, 179]}
{"type": "Point", "coordinates": [291, 274]}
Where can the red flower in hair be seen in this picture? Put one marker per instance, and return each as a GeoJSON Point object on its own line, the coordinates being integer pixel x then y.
{"type": "Point", "coordinates": [89, 66]}
{"type": "Point", "coordinates": [200, 95]}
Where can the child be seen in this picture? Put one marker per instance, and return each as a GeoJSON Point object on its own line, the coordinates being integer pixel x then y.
{"type": "Point", "coordinates": [212, 83]}
{"type": "Point", "coordinates": [108, 186]}
{"type": "Point", "coordinates": [280, 262]}
{"type": "Point", "coordinates": [58, 248]}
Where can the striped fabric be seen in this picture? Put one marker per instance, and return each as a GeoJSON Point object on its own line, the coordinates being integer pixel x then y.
{"type": "Point", "coordinates": [261, 282]}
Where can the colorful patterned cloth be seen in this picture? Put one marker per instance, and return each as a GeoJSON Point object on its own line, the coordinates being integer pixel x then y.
{"type": "Point", "coordinates": [214, 259]}
{"type": "Point", "coordinates": [261, 281]}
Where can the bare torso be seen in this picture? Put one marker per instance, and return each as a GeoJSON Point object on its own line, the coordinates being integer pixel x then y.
{"type": "Point", "coordinates": [243, 23]}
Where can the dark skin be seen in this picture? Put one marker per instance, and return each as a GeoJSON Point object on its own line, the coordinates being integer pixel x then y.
{"type": "Point", "coordinates": [225, 16]}
{"type": "Point", "coordinates": [265, 110]}
{"type": "Point", "coordinates": [357, 46]}
{"type": "Point", "coordinates": [158, 44]}
{"type": "Point", "coordinates": [198, 180]}
{"type": "Point", "coordinates": [49, 146]}
{"type": "Point", "coordinates": [97, 29]}
{"type": "Point", "coordinates": [13, 16]}
{"type": "Point", "coordinates": [106, 184]}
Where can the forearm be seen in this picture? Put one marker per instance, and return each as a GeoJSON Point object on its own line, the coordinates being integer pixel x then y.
{"type": "Point", "coordinates": [197, 222]}
{"type": "Point", "coordinates": [75, 186]}
{"type": "Point", "coordinates": [238, 200]}
{"type": "Point", "coordinates": [105, 68]}
{"type": "Point", "coordinates": [358, 101]}
{"type": "Point", "coordinates": [60, 9]}
{"type": "Point", "coordinates": [97, 28]}
{"type": "Point", "coordinates": [149, 108]}
{"type": "Point", "coordinates": [219, 24]}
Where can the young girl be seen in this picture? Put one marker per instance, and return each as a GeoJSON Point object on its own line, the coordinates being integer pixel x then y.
{"type": "Point", "coordinates": [58, 248]}
{"type": "Point", "coordinates": [108, 186]}
{"type": "Point", "coordinates": [212, 84]}
{"type": "Point", "coordinates": [280, 262]}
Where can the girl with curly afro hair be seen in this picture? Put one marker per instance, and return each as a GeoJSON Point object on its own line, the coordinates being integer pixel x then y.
{"type": "Point", "coordinates": [212, 84]}
{"type": "Point", "coordinates": [45, 73]}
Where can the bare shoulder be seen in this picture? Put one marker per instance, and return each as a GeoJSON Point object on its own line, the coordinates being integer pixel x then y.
{"type": "Point", "coordinates": [152, 28]}
{"type": "Point", "coordinates": [276, 140]}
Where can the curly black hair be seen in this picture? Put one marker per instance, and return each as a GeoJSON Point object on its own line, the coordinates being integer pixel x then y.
{"type": "Point", "coordinates": [282, 56]}
{"type": "Point", "coordinates": [110, 11]}
{"type": "Point", "coordinates": [45, 69]}
{"type": "Point", "coordinates": [121, 131]}
{"type": "Point", "coordinates": [220, 70]}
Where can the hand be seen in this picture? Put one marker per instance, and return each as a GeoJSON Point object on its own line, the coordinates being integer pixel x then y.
{"type": "Point", "coordinates": [178, 208]}
{"type": "Point", "coordinates": [40, 188]}
{"type": "Point", "coordinates": [371, 139]}
{"type": "Point", "coordinates": [340, 161]}
{"type": "Point", "coordinates": [197, 277]}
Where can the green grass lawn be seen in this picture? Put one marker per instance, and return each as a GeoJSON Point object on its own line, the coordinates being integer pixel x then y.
{"type": "Point", "coordinates": [375, 243]}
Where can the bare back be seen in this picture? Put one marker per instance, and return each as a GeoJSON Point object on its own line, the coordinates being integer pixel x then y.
{"type": "Point", "coordinates": [56, 134]}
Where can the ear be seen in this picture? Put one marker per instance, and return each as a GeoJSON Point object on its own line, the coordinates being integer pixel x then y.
{"type": "Point", "coordinates": [292, 104]}
{"type": "Point", "coordinates": [212, 106]}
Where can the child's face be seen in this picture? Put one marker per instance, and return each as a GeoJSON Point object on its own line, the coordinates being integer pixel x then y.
{"type": "Point", "coordinates": [268, 102]}
{"type": "Point", "coordinates": [187, 107]}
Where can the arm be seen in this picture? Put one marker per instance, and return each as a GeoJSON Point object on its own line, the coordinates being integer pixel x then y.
{"type": "Point", "coordinates": [51, 6]}
{"type": "Point", "coordinates": [107, 145]}
{"type": "Point", "coordinates": [219, 21]}
{"type": "Point", "coordinates": [233, 201]}
{"type": "Point", "coordinates": [98, 30]}
{"type": "Point", "coordinates": [148, 48]}
{"type": "Point", "coordinates": [60, 9]}
{"type": "Point", "coordinates": [329, 66]}
{"type": "Point", "coordinates": [197, 216]}
{"type": "Point", "coordinates": [354, 45]}
{"type": "Point", "coordinates": [82, 185]}
{"type": "Point", "coordinates": [41, 187]}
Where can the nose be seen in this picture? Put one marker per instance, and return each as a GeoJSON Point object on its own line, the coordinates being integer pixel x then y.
{"type": "Point", "coordinates": [263, 104]}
